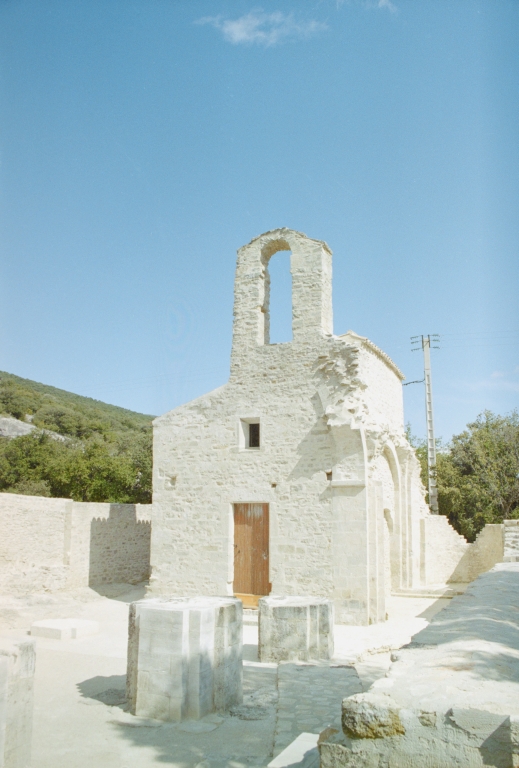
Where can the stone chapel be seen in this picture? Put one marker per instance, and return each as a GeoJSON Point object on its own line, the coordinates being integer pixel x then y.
{"type": "Point", "coordinates": [295, 477]}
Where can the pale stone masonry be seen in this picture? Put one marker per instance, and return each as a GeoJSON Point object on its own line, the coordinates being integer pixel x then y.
{"type": "Point", "coordinates": [312, 432]}
{"type": "Point", "coordinates": [184, 657]}
{"type": "Point", "coordinates": [511, 541]}
{"type": "Point", "coordinates": [50, 545]}
{"type": "Point", "coordinates": [295, 629]}
{"type": "Point", "coordinates": [64, 629]}
{"type": "Point", "coordinates": [17, 661]}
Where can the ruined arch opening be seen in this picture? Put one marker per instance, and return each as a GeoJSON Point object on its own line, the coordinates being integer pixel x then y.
{"type": "Point", "coordinates": [280, 298]}
{"type": "Point", "coordinates": [277, 305]}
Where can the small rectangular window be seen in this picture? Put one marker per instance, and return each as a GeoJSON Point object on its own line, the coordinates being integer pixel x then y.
{"type": "Point", "coordinates": [254, 435]}
{"type": "Point", "coordinates": [249, 433]}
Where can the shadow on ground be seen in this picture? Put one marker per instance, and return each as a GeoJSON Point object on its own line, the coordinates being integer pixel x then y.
{"type": "Point", "coordinates": [244, 738]}
{"type": "Point", "coordinates": [109, 690]}
{"type": "Point", "coordinates": [124, 593]}
{"type": "Point", "coordinates": [482, 628]}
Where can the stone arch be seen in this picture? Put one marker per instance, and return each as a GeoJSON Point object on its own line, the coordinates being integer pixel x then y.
{"type": "Point", "coordinates": [387, 472]}
{"type": "Point", "coordinates": [267, 252]}
{"type": "Point", "coordinates": [398, 566]}
{"type": "Point", "coordinates": [310, 265]}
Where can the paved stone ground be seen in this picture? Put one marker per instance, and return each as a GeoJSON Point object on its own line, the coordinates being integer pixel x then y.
{"type": "Point", "coordinates": [309, 698]}
{"type": "Point", "coordinates": [80, 717]}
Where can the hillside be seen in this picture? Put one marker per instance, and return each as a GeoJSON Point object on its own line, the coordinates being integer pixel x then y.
{"type": "Point", "coordinates": [106, 457]}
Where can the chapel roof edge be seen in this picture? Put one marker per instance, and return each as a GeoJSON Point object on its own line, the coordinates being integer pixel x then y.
{"type": "Point", "coordinates": [163, 416]}
{"type": "Point", "coordinates": [377, 351]}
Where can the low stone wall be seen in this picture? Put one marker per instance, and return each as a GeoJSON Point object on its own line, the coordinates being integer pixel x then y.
{"type": "Point", "coordinates": [448, 558]}
{"type": "Point", "coordinates": [442, 550]}
{"type": "Point", "coordinates": [119, 546]}
{"type": "Point", "coordinates": [56, 544]}
{"type": "Point", "coordinates": [480, 556]}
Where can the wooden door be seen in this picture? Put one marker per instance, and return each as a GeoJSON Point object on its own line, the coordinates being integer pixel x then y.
{"type": "Point", "coordinates": [251, 550]}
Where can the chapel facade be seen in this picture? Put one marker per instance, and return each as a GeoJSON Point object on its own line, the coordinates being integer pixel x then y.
{"type": "Point", "coordinates": [295, 477]}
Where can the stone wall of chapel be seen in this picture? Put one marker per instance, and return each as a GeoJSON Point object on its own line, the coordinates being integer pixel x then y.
{"type": "Point", "coordinates": [323, 402]}
{"type": "Point", "coordinates": [383, 395]}
{"type": "Point", "coordinates": [199, 472]}
{"type": "Point", "coordinates": [381, 472]}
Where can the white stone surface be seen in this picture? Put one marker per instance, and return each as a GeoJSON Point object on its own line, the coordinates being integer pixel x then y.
{"type": "Point", "coordinates": [184, 657]}
{"type": "Point", "coordinates": [451, 697]}
{"type": "Point", "coordinates": [295, 628]}
{"type": "Point", "coordinates": [511, 541]}
{"type": "Point", "coordinates": [481, 555]}
{"type": "Point", "coordinates": [49, 545]}
{"type": "Point", "coordinates": [64, 629]}
{"type": "Point", "coordinates": [17, 658]}
{"type": "Point", "coordinates": [342, 482]}
{"type": "Point", "coordinates": [79, 717]}
{"type": "Point", "coordinates": [301, 753]}
{"type": "Point", "coordinates": [444, 549]}
{"type": "Point", "coordinates": [11, 427]}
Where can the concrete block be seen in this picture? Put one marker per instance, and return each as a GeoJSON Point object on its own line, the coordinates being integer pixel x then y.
{"type": "Point", "coordinates": [64, 629]}
{"type": "Point", "coordinates": [295, 628]}
{"type": "Point", "coordinates": [301, 753]}
{"type": "Point", "coordinates": [17, 658]}
{"type": "Point", "coordinates": [184, 657]}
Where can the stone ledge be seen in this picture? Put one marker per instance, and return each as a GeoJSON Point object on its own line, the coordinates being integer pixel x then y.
{"type": "Point", "coordinates": [64, 629]}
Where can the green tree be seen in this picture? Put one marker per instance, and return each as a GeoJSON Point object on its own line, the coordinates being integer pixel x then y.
{"type": "Point", "coordinates": [93, 470]}
{"type": "Point", "coordinates": [16, 400]}
{"type": "Point", "coordinates": [478, 473]}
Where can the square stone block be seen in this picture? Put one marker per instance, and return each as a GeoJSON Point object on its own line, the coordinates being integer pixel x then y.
{"type": "Point", "coordinates": [64, 629]}
{"type": "Point", "coordinates": [184, 657]}
{"type": "Point", "coordinates": [295, 628]}
{"type": "Point", "coordinates": [17, 658]}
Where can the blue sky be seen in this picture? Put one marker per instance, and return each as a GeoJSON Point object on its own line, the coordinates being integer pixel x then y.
{"type": "Point", "coordinates": [144, 141]}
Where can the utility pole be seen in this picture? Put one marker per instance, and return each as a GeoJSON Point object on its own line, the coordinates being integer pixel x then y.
{"type": "Point", "coordinates": [427, 343]}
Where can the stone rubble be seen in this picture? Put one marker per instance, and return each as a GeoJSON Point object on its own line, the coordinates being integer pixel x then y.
{"type": "Point", "coordinates": [451, 696]}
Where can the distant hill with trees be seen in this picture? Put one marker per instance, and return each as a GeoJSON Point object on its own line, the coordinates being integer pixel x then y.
{"type": "Point", "coordinates": [106, 456]}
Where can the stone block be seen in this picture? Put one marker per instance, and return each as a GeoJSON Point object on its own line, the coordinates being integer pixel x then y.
{"type": "Point", "coordinates": [295, 628]}
{"type": "Point", "coordinates": [371, 716]}
{"type": "Point", "coordinates": [64, 629]}
{"type": "Point", "coordinates": [301, 753]}
{"type": "Point", "coordinates": [184, 657]}
{"type": "Point", "coordinates": [17, 659]}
